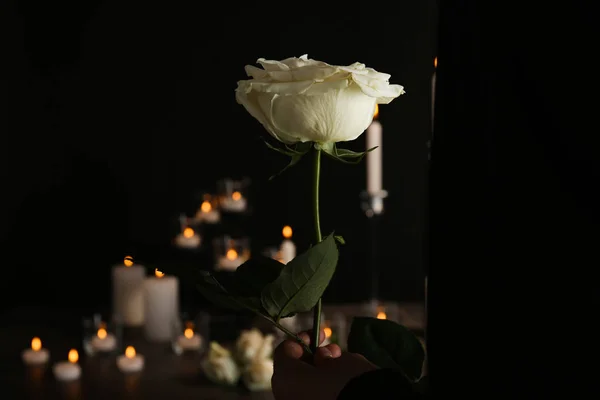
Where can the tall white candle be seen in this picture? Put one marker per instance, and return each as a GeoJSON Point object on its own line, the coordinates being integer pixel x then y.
{"type": "Point", "coordinates": [287, 250]}
{"type": "Point", "coordinates": [433, 78]}
{"type": "Point", "coordinates": [162, 306]}
{"type": "Point", "coordinates": [128, 292]}
{"type": "Point", "coordinates": [374, 158]}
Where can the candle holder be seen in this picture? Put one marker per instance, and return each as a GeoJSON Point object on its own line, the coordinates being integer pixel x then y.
{"type": "Point", "coordinates": [233, 195]}
{"type": "Point", "coordinates": [208, 212]}
{"type": "Point", "coordinates": [372, 205]}
{"type": "Point", "coordinates": [101, 336]}
{"type": "Point", "coordinates": [231, 253]}
{"type": "Point", "coordinates": [272, 252]}
{"type": "Point", "coordinates": [191, 335]}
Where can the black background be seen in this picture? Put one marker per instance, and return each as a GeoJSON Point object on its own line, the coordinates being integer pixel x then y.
{"type": "Point", "coordinates": [117, 113]}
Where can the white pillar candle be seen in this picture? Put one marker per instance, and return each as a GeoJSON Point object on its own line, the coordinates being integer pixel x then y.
{"type": "Point", "coordinates": [128, 292]}
{"type": "Point", "coordinates": [130, 362]}
{"type": "Point", "coordinates": [374, 158]}
{"type": "Point", "coordinates": [287, 250]}
{"type": "Point", "coordinates": [36, 355]}
{"type": "Point", "coordinates": [188, 239]}
{"type": "Point", "coordinates": [68, 370]}
{"type": "Point", "coordinates": [104, 341]}
{"type": "Point", "coordinates": [234, 203]}
{"type": "Point", "coordinates": [162, 306]}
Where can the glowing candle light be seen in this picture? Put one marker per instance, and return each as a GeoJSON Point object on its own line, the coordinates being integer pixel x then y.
{"type": "Point", "coordinates": [68, 370]}
{"type": "Point", "coordinates": [287, 250]}
{"type": "Point", "coordinates": [188, 239]}
{"type": "Point", "coordinates": [190, 340]}
{"type": "Point", "coordinates": [36, 355]}
{"type": "Point", "coordinates": [130, 361]}
{"type": "Point", "coordinates": [103, 341]}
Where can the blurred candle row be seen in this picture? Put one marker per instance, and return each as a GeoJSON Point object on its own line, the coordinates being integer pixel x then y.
{"type": "Point", "coordinates": [151, 302]}
{"type": "Point", "coordinates": [69, 369]}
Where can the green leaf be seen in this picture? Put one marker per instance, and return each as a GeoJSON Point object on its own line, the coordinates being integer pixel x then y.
{"type": "Point", "coordinates": [345, 155]}
{"type": "Point", "coordinates": [302, 281]}
{"type": "Point", "coordinates": [295, 159]}
{"type": "Point", "coordinates": [295, 152]}
{"type": "Point", "coordinates": [252, 276]}
{"type": "Point", "coordinates": [286, 152]}
{"type": "Point", "coordinates": [214, 292]}
{"type": "Point", "coordinates": [340, 239]}
{"type": "Point", "coordinates": [387, 345]}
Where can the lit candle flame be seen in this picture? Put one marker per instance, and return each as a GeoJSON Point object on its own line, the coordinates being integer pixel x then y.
{"type": "Point", "coordinates": [328, 332]}
{"type": "Point", "coordinates": [231, 254]}
{"type": "Point", "coordinates": [206, 206]}
{"type": "Point", "coordinates": [158, 273]}
{"type": "Point", "coordinates": [102, 333]}
{"type": "Point", "coordinates": [381, 313]}
{"type": "Point", "coordinates": [236, 196]}
{"type": "Point", "coordinates": [287, 232]}
{"type": "Point", "coordinates": [128, 261]}
{"type": "Point", "coordinates": [188, 232]}
{"type": "Point", "coordinates": [73, 356]}
{"type": "Point", "coordinates": [435, 62]}
{"type": "Point", "coordinates": [188, 333]}
{"type": "Point", "coordinates": [130, 352]}
{"type": "Point", "coordinates": [36, 344]}
{"type": "Point", "coordinates": [376, 112]}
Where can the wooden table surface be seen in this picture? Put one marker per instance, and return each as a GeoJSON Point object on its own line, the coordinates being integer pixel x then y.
{"type": "Point", "coordinates": [165, 376]}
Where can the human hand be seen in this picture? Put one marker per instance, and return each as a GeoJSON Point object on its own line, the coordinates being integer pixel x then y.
{"type": "Point", "coordinates": [298, 375]}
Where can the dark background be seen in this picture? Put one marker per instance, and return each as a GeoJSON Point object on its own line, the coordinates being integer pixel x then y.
{"type": "Point", "coordinates": [115, 114]}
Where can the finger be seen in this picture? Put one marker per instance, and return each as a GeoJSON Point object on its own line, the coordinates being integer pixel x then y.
{"type": "Point", "coordinates": [306, 336]}
{"type": "Point", "coordinates": [327, 353]}
{"type": "Point", "coordinates": [286, 351]}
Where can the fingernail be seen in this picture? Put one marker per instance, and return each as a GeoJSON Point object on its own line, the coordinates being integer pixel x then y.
{"type": "Point", "coordinates": [326, 353]}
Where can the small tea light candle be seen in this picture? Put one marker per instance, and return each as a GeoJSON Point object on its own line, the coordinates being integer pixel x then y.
{"type": "Point", "coordinates": [36, 355]}
{"type": "Point", "coordinates": [130, 361]}
{"type": "Point", "coordinates": [188, 239]}
{"type": "Point", "coordinates": [104, 341]}
{"type": "Point", "coordinates": [207, 214]}
{"type": "Point", "coordinates": [230, 261]}
{"type": "Point", "coordinates": [287, 250]}
{"type": "Point", "coordinates": [68, 370]}
{"type": "Point", "coordinates": [234, 203]}
{"type": "Point", "coordinates": [190, 340]}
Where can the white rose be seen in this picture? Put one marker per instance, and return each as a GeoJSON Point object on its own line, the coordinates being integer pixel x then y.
{"type": "Point", "coordinates": [220, 367]}
{"type": "Point", "coordinates": [257, 376]}
{"type": "Point", "coordinates": [304, 100]}
{"type": "Point", "coordinates": [266, 349]}
{"type": "Point", "coordinates": [248, 344]}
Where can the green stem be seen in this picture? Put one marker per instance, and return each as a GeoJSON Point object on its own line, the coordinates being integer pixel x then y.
{"type": "Point", "coordinates": [314, 343]}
